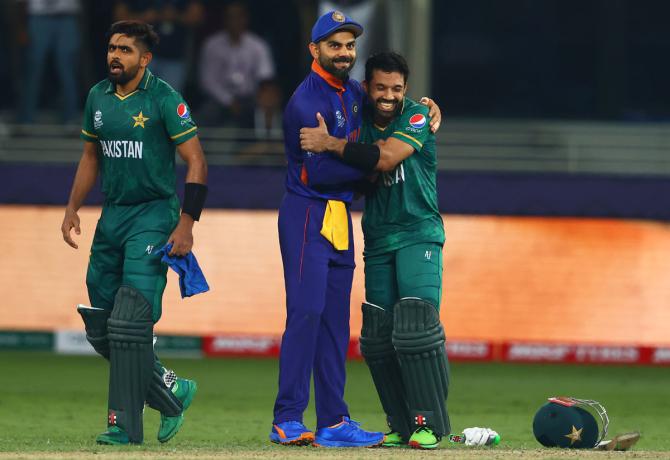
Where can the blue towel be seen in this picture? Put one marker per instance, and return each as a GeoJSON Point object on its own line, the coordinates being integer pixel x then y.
{"type": "Point", "coordinates": [191, 279]}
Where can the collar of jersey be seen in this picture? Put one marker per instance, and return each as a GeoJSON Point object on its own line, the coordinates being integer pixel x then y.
{"type": "Point", "coordinates": [143, 84]}
{"type": "Point", "coordinates": [330, 79]}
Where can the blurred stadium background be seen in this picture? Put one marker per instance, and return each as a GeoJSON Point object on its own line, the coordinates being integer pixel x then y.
{"type": "Point", "coordinates": [554, 173]}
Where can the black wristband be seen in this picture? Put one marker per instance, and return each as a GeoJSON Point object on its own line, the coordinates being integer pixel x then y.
{"type": "Point", "coordinates": [361, 156]}
{"type": "Point", "coordinates": [194, 199]}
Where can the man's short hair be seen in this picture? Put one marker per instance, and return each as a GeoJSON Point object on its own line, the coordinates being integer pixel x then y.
{"type": "Point", "coordinates": [141, 31]}
{"type": "Point", "coordinates": [386, 61]}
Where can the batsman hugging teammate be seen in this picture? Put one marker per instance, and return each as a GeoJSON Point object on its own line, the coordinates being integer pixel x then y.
{"type": "Point", "coordinates": [317, 248]}
{"type": "Point", "coordinates": [316, 243]}
{"type": "Point", "coordinates": [402, 339]}
{"type": "Point", "coordinates": [132, 123]}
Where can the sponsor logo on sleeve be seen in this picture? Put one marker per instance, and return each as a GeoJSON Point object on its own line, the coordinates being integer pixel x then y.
{"type": "Point", "coordinates": [417, 121]}
{"type": "Point", "coordinates": [183, 111]}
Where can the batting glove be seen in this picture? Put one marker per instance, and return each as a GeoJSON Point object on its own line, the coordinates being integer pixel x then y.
{"type": "Point", "coordinates": [478, 436]}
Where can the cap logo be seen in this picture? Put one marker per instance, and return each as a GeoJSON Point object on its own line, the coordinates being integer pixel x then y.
{"type": "Point", "coordinates": [575, 435]}
{"type": "Point", "coordinates": [337, 16]}
{"type": "Point", "coordinates": [417, 121]}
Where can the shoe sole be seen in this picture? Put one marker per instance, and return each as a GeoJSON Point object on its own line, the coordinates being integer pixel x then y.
{"type": "Point", "coordinates": [111, 442]}
{"type": "Point", "coordinates": [394, 445]}
{"type": "Point", "coordinates": [336, 444]}
{"type": "Point", "coordinates": [302, 440]}
{"type": "Point", "coordinates": [418, 445]}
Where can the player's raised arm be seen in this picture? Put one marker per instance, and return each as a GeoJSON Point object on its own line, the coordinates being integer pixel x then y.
{"type": "Point", "coordinates": [195, 192]}
{"type": "Point", "coordinates": [87, 173]}
{"type": "Point", "coordinates": [382, 156]}
{"type": "Point", "coordinates": [322, 169]}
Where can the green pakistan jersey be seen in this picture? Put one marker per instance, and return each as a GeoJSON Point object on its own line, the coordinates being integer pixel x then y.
{"type": "Point", "coordinates": [136, 136]}
{"type": "Point", "coordinates": [402, 210]}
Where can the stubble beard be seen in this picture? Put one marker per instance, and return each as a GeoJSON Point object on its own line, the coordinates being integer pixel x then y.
{"type": "Point", "coordinates": [329, 66]}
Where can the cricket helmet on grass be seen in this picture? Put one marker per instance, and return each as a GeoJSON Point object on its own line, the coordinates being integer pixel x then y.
{"type": "Point", "coordinates": [570, 422]}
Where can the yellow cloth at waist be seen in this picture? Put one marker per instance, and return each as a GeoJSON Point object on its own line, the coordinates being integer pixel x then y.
{"type": "Point", "coordinates": [335, 227]}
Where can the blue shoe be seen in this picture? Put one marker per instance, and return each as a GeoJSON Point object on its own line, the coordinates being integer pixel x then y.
{"type": "Point", "coordinates": [291, 434]}
{"type": "Point", "coordinates": [347, 433]}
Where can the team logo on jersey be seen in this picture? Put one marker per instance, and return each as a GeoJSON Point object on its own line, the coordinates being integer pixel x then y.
{"type": "Point", "coordinates": [182, 111]}
{"type": "Point", "coordinates": [417, 121]}
{"type": "Point", "coordinates": [337, 16]}
{"type": "Point", "coordinates": [97, 119]}
{"type": "Point", "coordinates": [140, 119]}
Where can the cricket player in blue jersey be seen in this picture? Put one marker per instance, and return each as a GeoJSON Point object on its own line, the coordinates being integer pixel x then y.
{"type": "Point", "coordinates": [316, 241]}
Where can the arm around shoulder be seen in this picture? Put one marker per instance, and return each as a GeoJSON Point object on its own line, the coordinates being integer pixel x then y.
{"type": "Point", "coordinates": [391, 153]}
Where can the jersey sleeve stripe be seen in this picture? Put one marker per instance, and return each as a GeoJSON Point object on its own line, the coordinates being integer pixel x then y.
{"type": "Point", "coordinates": [184, 133]}
{"type": "Point", "coordinates": [86, 133]}
{"type": "Point", "coordinates": [410, 138]}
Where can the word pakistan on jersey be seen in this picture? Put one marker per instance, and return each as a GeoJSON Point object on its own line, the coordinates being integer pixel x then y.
{"type": "Point", "coordinates": [125, 149]}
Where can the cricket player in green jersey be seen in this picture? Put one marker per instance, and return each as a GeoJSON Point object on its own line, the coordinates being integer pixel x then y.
{"type": "Point", "coordinates": [402, 338]}
{"type": "Point", "coordinates": [133, 122]}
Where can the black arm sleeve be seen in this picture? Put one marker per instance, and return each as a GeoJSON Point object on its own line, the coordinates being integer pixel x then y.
{"type": "Point", "coordinates": [194, 199]}
{"type": "Point", "coordinates": [361, 156]}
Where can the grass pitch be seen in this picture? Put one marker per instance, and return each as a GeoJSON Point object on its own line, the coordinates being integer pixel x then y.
{"type": "Point", "coordinates": [53, 406]}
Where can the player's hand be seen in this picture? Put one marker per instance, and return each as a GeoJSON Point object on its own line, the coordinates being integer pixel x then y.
{"type": "Point", "coordinates": [182, 236]}
{"type": "Point", "coordinates": [434, 113]}
{"type": "Point", "coordinates": [315, 139]}
{"type": "Point", "coordinates": [478, 436]}
{"type": "Point", "coordinates": [70, 221]}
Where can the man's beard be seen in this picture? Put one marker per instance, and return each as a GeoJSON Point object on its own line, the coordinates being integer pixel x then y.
{"type": "Point", "coordinates": [329, 66]}
{"type": "Point", "coordinates": [385, 114]}
{"type": "Point", "coordinates": [125, 76]}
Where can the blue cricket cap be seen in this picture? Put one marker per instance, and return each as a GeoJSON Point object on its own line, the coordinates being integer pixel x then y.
{"type": "Point", "coordinates": [332, 22]}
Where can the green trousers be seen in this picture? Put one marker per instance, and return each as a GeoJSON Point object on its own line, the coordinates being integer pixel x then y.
{"type": "Point", "coordinates": [125, 252]}
{"type": "Point", "coordinates": [413, 271]}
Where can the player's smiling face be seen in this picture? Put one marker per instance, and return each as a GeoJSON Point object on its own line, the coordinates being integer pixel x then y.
{"type": "Point", "coordinates": [336, 53]}
{"type": "Point", "coordinates": [124, 59]}
{"type": "Point", "coordinates": [386, 91]}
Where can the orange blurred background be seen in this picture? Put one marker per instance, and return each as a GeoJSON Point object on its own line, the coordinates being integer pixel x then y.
{"type": "Point", "coordinates": [505, 278]}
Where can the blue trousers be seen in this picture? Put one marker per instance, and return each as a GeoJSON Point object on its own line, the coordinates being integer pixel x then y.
{"type": "Point", "coordinates": [316, 338]}
{"type": "Point", "coordinates": [57, 35]}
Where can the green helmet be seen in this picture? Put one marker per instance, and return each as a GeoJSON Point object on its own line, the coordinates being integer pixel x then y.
{"type": "Point", "coordinates": [570, 422]}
